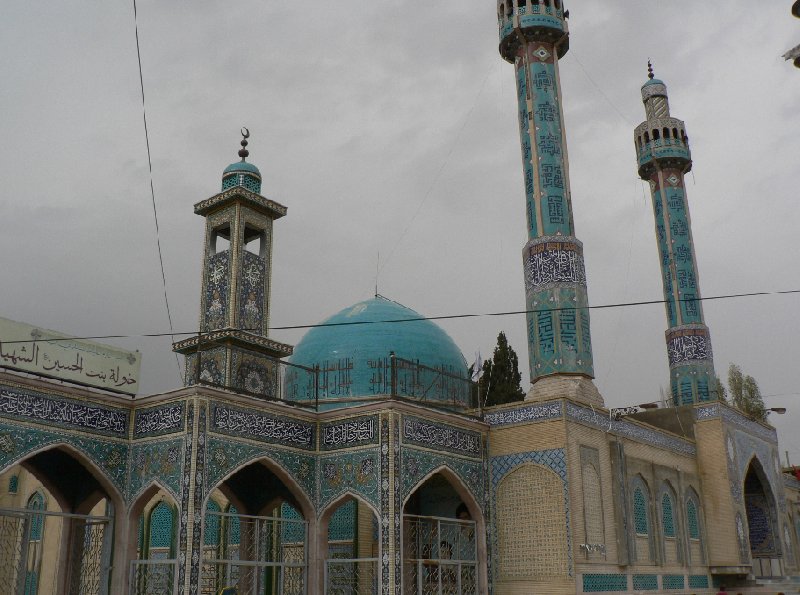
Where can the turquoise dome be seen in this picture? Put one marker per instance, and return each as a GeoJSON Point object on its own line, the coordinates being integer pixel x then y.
{"type": "Point", "coordinates": [241, 167]}
{"type": "Point", "coordinates": [653, 82]}
{"type": "Point", "coordinates": [352, 350]}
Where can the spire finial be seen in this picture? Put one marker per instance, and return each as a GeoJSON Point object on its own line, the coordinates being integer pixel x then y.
{"type": "Point", "coordinates": [243, 152]}
{"type": "Point", "coordinates": [650, 74]}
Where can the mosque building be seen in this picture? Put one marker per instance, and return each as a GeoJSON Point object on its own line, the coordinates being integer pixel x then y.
{"type": "Point", "coordinates": [361, 461]}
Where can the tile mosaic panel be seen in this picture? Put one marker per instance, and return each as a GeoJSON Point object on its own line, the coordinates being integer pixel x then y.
{"type": "Point", "coordinates": [707, 411]}
{"type": "Point", "coordinates": [416, 464]}
{"type": "Point", "coordinates": [252, 282]}
{"type": "Point", "coordinates": [673, 581]}
{"type": "Point", "coordinates": [51, 410]}
{"type": "Point", "coordinates": [630, 430]}
{"type": "Point", "coordinates": [442, 437]}
{"type": "Point", "coordinates": [385, 506]}
{"type": "Point", "coordinates": [226, 455]}
{"type": "Point", "coordinates": [186, 488]}
{"type": "Point", "coordinates": [645, 582]}
{"type": "Point", "coordinates": [159, 420]}
{"type": "Point", "coordinates": [355, 472]}
{"type": "Point", "coordinates": [111, 458]}
{"type": "Point", "coordinates": [398, 504]}
{"type": "Point", "coordinates": [698, 581]}
{"type": "Point", "coordinates": [595, 583]}
{"type": "Point", "coordinates": [217, 276]}
{"type": "Point", "coordinates": [746, 447]}
{"type": "Point", "coordinates": [254, 373]}
{"type": "Point", "coordinates": [199, 495]}
{"type": "Point", "coordinates": [531, 413]}
{"type": "Point", "coordinates": [156, 461]}
{"type": "Point", "coordinates": [356, 431]}
{"type": "Point", "coordinates": [750, 426]}
{"type": "Point", "coordinates": [252, 424]}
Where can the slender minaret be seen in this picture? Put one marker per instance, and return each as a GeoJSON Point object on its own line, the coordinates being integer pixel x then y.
{"type": "Point", "coordinates": [663, 154]}
{"type": "Point", "coordinates": [232, 348]}
{"type": "Point", "coordinates": [533, 36]}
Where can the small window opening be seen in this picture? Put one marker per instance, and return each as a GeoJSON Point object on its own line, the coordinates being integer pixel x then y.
{"type": "Point", "coordinates": [675, 134]}
{"type": "Point", "coordinates": [656, 134]}
{"type": "Point", "coordinates": [666, 133]}
{"type": "Point", "coordinates": [254, 241]}
{"type": "Point", "coordinates": [221, 240]}
{"type": "Point", "coordinates": [646, 137]}
{"type": "Point", "coordinates": [509, 8]}
{"type": "Point", "coordinates": [557, 4]}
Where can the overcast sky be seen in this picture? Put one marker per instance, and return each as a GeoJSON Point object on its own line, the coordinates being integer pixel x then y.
{"type": "Point", "coordinates": [390, 127]}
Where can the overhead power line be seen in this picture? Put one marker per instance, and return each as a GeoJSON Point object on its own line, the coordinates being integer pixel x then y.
{"type": "Point", "coordinates": [152, 190]}
{"type": "Point", "coordinates": [174, 334]}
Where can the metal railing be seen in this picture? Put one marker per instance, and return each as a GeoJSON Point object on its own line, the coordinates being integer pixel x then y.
{"type": "Point", "coordinates": [354, 576]}
{"type": "Point", "coordinates": [23, 557]}
{"type": "Point", "coordinates": [306, 387]}
{"type": "Point", "coordinates": [154, 577]}
{"type": "Point", "coordinates": [270, 553]}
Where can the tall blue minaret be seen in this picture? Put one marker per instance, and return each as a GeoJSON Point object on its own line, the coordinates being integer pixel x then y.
{"type": "Point", "coordinates": [663, 156]}
{"type": "Point", "coordinates": [533, 36]}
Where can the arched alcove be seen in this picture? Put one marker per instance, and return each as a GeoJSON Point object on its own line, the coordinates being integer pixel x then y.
{"type": "Point", "coordinates": [762, 519]}
{"type": "Point", "coordinates": [442, 538]}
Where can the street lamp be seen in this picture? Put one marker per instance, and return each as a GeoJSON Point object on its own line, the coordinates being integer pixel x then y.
{"type": "Point", "coordinates": [794, 53]}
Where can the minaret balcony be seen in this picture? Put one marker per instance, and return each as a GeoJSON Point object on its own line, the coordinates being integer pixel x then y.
{"type": "Point", "coordinates": [541, 20]}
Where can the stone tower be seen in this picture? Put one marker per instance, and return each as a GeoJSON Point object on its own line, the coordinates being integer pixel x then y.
{"type": "Point", "coordinates": [533, 36]}
{"type": "Point", "coordinates": [232, 348]}
{"type": "Point", "coordinates": [663, 156]}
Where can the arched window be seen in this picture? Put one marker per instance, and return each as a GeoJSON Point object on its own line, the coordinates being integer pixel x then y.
{"type": "Point", "coordinates": [212, 533]}
{"type": "Point", "coordinates": [641, 520]}
{"type": "Point", "coordinates": [646, 137]}
{"type": "Point", "coordinates": [162, 529]}
{"type": "Point", "coordinates": [692, 522]}
{"type": "Point", "coordinates": [666, 132]}
{"type": "Point", "coordinates": [656, 134]}
{"type": "Point", "coordinates": [13, 484]}
{"type": "Point", "coordinates": [36, 503]}
{"type": "Point", "coordinates": [675, 134]}
{"type": "Point", "coordinates": [667, 518]}
{"type": "Point", "coordinates": [233, 526]}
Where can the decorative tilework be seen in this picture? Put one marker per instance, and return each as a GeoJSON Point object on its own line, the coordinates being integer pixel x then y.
{"type": "Point", "coordinates": [183, 530]}
{"type": "Point", "coordinates": [159, 420]}
{"type": "Point", "coordinates": [532, 413]}
{"type": "Point", "coordinates": [217, 276]}
{"type": "Point", "coordinates": [249, 423]}
{"type": "Point", "coordinates": [640, 520]}
{"type": "Point", "coordinates": [226, 455]}
{"type": "Point", "coordinates": [595, 583]}
{"type": "Point", "coordinates": [111, 458]}
{"type": "Point", "coordinates": [254, 373]}
{"type": "Point", "coordinates": [252, 283]}
{"type": "Point", "coordinates": [356, 431]}
{"type": "Point", "coordinates": [440, 436]}
{"type": "Point", "coordinates": [156, 461]}
{"type": "Point", "coordinates": [162, 526]}
{"type": "Point", "coordinates": [385, 528]}
{"type": "Point", "coordinates": [746, 448]}
{"type": "Point", "coordinates": [342, 523]}
{"type": "Point", "coordinates": [691, 519]}
{"type": "Point", "coordinates": [199, 495]}
{"type": "Point", "coordinates": [751, 427]}
{"type": "Point", "coordinates": [398, 506]}
{"type": "Point", "coordinates": [630, 430]}
{"type": "Point", "coordinates": [673, 581]}
{"type": "Point", "coordinates": [355, 472]}
{"type": "Point", "coordinates": [667, 519]}
{"type": "Point", "coordinates": [416, 464]}
{"type": "Point", "coordinates": [707, 411]}
{"type": "Point", "coordinates": [645, 582]}
{"type": "Point", "coordinates": [698, 581]}
{"type": "Point", "coordinates": [61, 412]}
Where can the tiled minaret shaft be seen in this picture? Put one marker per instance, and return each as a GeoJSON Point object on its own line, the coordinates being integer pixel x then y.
{"type": "Point", "coordinates": [664, 158]}
{"type": "Point", "coordinates": [533, 36]}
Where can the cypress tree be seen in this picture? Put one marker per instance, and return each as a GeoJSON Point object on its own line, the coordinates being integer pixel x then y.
{"type": "Point", "coordinates": [501, 379]}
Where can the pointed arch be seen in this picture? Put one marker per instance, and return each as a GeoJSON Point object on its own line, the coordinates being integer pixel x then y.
{"type": "Point", "coordinates": [138, 516]}
{"type": "Point", "coordinates": [33, 462]}
{"type": "Point", "coordinates": [457, 483]}
{"type": "Point", "coordinates": [301, 497]}
{"type": "Point", "coordinates": [763, 522]}
{"type": "Point", "coordinates": [669, 518]}
{"type": "Point", "coordinates": [641, 514]}
{"type": "Point", "coordinates": [532, 495]}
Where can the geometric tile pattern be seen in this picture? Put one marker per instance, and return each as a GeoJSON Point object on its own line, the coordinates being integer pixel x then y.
{"type": "Point", "coordinates": [159, 461]}
{"type": "Point", "coordinates": [356, 472]}
{"type": "Point", "coordinates": [416, 464]}
{"type": "Point", "coordinates": [595, 583]}
{"type": "Point", "coordinates": [698, 581]}
{"type": "Point", "coordinates": [673, 581]}
{"type": "Point", "coordinates": [645, 582]}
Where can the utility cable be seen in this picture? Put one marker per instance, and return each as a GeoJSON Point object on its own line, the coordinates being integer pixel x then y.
{"type": "Point", "coordinates": [416, 319]}
{"type": "Point", "coordinates": [152, 190]}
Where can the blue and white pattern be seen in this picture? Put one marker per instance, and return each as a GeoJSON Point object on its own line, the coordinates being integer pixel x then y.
{"type": "Point", "coordinates": [631, 430]}
{"type": "Point", "coordinates": [252, 424]}
{"type": "Point", "coordinates": [532, 413]}
{"type": "Point", "coordinates": [356, 431]}
{"type": "Point", "coordinates": [441, 437]}
{"type": "Point", "coordinates": [159, 420]}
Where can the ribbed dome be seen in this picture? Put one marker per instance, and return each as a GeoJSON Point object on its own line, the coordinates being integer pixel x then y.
{"type": "Point", "coordinates": [353, 354]}
{"type": "Point", "coordinates": [242, 166]}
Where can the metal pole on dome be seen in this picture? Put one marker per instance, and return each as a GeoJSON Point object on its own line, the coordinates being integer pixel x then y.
{"type": "Point", "coordinates": [393, 372]}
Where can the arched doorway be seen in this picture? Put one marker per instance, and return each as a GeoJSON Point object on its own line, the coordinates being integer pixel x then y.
{"type": "Point", "coordinates": [155, 566]}
{"type": "Point", "coordinates": [56, 532]}
{"type": "Point", "coordinates": [351, 548]}
{"type": "Point", "coordinates": [256, 534]}
{"type": "Point", "coordinates": [762, 522]}
{"type": "Point", "coordinates": [440, 541]}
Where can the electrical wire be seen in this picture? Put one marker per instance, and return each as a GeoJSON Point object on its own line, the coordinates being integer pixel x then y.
{"type": "Point", "coordinates": [173, 334]}
{"type": "Point", "coordinates": [152, 190]}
